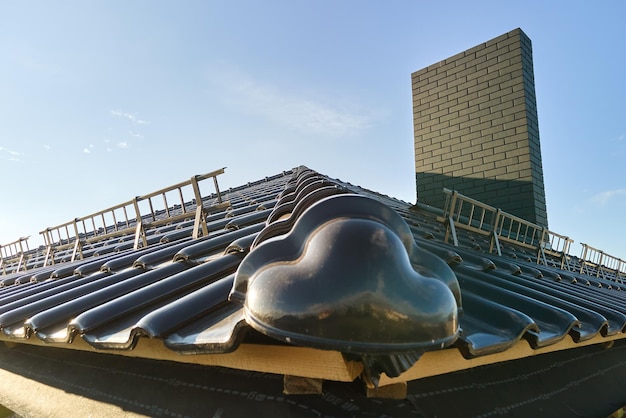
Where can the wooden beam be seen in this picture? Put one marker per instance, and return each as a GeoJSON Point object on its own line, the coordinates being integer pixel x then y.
{"type": "Point", "coordinates": [277, 359]}
{"type": "Point", "coordinates": [296, 385]}
{"type": "Point", "coordinates": [450, 360]}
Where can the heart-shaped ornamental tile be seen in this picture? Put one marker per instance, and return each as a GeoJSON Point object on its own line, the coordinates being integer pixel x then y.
{"type": "Point", "coordinates": [349, 277]}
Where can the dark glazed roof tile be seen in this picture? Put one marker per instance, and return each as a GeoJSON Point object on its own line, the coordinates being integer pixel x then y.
{"type": "Point", "coordinates": [113, 324]}
{"type": "Point", "coordinates": [489, 327]}
{"type": "Point", "coordinates": [111, 263]}
{"type": "Point", "coordinates": [200, 249]}
{"type": "Point", "coordinates": [160, 254]}
{"type": "Point", "coordinates": [41, 291]}
{"type": "Point", "coordinates": [364, 252]}
{"type": "Point", "coordinates": [219, 331]}
{"type": "Point", "coordinates": [246, 210]}
{"type": "Point", "coordinates": [248, 219]}
{"type": "Point", "coordinates": [76, 289]}
{"type": "Point", "coordinates": [554, 323]}
{"type": "Point", "coordinates": [173, 316]}
{"type": "Point", "coordinates": [283, 218]}
{"type": "Point", "coordinates": [590, 322]}
{"type": "Point", "coordinates": [65, 312]}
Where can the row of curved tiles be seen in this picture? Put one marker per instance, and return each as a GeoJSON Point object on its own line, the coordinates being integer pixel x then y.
{"type": "Point", "coordinates": [47, 302]}
{"type": "Point", "coordinates": [185, 292]}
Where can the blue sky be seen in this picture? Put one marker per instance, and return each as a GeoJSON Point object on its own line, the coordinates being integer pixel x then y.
{"type": "Point", "coordinates": [102, 101]}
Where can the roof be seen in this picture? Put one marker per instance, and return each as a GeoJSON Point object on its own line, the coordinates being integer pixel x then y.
{"type": "Point", "coordinates": [305, 275]}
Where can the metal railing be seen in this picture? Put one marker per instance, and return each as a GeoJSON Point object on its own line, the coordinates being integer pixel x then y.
{"type": "Point", "coordinates": [517, 230]}
{"type": "Point", "coordinates": [14, 252]}
{"type": "Point", "coordinates": [466, 213]}
{"type": "Point", "coordinates": [116, 222]}
{"type": "Point", "coordinates": [557, 246]}
{"type": "Point", "coordinates": [595, 262]}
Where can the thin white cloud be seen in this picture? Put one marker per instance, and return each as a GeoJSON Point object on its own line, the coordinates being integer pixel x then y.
{"type": "Point", "coordinates": [86, 151]}
{"type": "Point", "coordinates": [135, 134]}
{"type": "Point", "coordinates": [300, 113]}
{"type": "Point", "coordinates": [10, 155]}
{"type": "Point", "coordinates": [129, 116]}
{"type": "Point", "coordinates": [304, 111]}
{"type": "Point", "coordinates": [46, 147]}
{"type": "Point", "coordinates": [604, 198]}
{"type": "Point", "coordinates": [110, 147]}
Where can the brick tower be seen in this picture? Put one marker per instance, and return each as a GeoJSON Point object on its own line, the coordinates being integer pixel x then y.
{"type": "Point", "coordinates": [476, 128]}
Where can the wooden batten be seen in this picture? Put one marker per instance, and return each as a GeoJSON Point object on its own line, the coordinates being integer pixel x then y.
{"type": "Point", "coordinates": [322, 364]}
